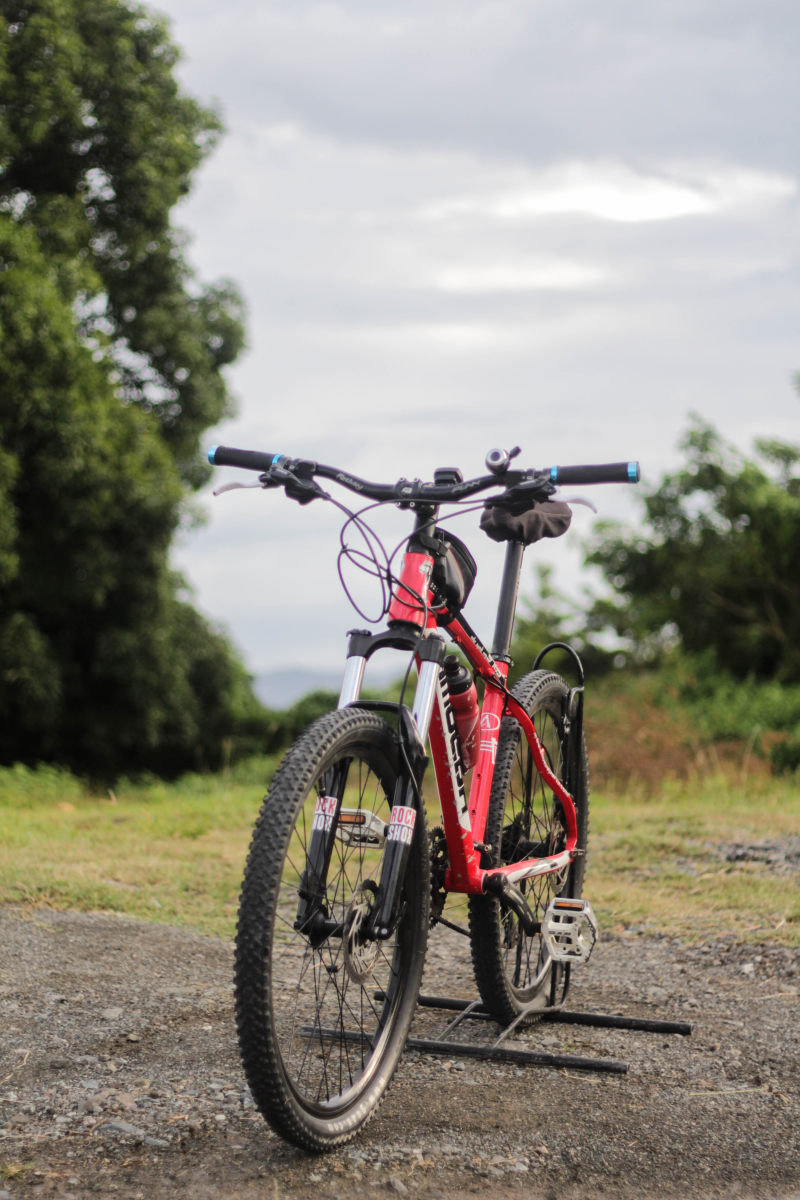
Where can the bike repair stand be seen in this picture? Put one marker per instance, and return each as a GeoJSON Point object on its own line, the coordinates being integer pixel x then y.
{"type": "Point", "coordinates": [499, 1052]}
{"type": "Point", "coordinates": [566, 927]}
{"type": "Point", "coordinates": [569, 933]}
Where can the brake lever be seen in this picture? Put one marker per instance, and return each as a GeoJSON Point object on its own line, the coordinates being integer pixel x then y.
{"type": "Point", "coordinates": [582, 500]}
{"type": "Point", "coordinates": [522, 496]}
{"type": "Point", "coordinates": [296, 480]}
{"type": "Point", "coordinates": [233, 487]}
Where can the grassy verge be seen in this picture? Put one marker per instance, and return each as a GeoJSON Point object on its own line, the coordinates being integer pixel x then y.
{"type": "Point", "coordinates": [681, 860]}
{"type": "Point", "coordinates": [167, 852]}
{"type": "Point", "coordinates": [175, 853]}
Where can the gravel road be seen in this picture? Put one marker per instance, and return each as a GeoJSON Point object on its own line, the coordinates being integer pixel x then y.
{"type": "Point", "coordinates": [119, 1077]}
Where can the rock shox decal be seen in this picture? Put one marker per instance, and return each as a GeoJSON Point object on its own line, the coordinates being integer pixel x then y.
{"type": "Point", "coordinates": [324, 812]}
{"type": "Point", "coordinates": [401, 826]}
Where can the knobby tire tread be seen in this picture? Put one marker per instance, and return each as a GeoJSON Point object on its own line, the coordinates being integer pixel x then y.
{"type": "Point", "coordinates": [259, 1049]}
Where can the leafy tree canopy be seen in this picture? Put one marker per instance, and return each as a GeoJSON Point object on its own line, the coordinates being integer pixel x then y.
{"type": "Point", "coordinates": [110, 370]}
{"type": "Point", "coordinates": [716, 564]}
{"type": "Point", "coordinates": [97, 145]}
{"type": "Point", "coordinates": [550, 617]}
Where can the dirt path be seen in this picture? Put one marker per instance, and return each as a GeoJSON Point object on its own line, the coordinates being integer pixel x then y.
{"type": "Point", "coordinates": [119, 1077]}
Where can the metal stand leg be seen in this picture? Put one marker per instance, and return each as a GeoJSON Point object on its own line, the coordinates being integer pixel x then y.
{"type": "Point", "coordinates": [473, 1010]}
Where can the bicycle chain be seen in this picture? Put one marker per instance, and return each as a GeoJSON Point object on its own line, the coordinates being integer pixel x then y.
{"type": "Point", "coordinates": [439, 865]}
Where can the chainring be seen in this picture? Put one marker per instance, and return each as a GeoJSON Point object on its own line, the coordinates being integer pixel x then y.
{"type": "Point", "coordinates": [439, 864]}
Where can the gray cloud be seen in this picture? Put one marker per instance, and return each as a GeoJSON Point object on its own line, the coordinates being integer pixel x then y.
{"type": "Point", "coordinates": [516, 80]}
{"type": "Point", "coordinates": [458, 225]}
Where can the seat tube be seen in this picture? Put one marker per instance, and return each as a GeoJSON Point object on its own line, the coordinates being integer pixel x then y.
{"type": "Point", "coordinates": [506, 607]}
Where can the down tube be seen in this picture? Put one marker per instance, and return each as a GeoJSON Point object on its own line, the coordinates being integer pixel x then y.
{"type": "Point", "coordinates": [443, 736]}
{"type": "Point", "coordinates": [492, 712]}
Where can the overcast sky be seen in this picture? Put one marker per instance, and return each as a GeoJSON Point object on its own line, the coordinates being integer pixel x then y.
{"type": "Point", "coordinates": [564, 225]}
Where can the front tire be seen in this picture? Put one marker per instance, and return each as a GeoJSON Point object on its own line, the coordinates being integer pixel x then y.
{"type": "Point", "coordinates": [318, 1043]}
{"type": "Point", "coordinates": [514, 971]}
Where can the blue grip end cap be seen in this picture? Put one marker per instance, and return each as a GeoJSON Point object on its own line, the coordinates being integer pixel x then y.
{"type": "Point", "coordinates": [212, 454]}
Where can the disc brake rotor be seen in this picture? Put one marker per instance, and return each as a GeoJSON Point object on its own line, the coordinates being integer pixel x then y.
{"type": "Point", "coordinates": [360, 952]}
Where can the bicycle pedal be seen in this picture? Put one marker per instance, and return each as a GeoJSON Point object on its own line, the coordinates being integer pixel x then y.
{"type": "Point", "coordinates": [360, 826]}
{"type": "Point", "coordinates": [569, 929]}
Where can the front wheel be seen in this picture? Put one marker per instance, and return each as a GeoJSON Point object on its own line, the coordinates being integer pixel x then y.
{"type": "Point", "coordinates": [513, 970]}
{"type": "Point", "coordinates": [322, 1010]}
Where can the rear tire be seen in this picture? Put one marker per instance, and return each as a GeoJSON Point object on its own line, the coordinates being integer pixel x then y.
{"type": "Point", "coordinates": [317, 1044]}
{"type": "Point", "coordinates": [514, 970]}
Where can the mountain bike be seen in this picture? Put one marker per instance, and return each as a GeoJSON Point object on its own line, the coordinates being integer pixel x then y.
{"type": "Point", "coordinates": [343, 878]}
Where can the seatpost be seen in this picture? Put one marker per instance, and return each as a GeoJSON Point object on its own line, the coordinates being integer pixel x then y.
{"type": "Point", "coordinates": [507, 604]}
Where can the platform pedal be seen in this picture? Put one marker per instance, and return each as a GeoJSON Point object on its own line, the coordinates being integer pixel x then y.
{"type": "Point", "coordinates": [569, 929]}
{"type": "Point", "coordinates": [361, 827]}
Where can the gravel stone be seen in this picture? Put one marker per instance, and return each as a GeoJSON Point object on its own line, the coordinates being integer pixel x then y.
{"type": "Point", "coordinates": [84, 1111]}
{"type": "Point", "coordinates": [123, 1127]}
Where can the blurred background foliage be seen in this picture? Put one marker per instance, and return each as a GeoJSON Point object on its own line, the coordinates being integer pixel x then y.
{"type": "Point", "coordinates": [112, 366]}
{"type": "Point", "coordinates": [703, 594]}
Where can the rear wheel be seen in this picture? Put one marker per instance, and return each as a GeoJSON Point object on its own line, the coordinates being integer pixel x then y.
{"type": "Point", "coordinates": [323, 1011]}
{"type": "Point", "coordinates": [513, 970]}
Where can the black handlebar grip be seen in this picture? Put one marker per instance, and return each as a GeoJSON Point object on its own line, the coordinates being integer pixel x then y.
{"type": "Point", "coordinates": [253, 460]}
{"type": "Point", "coordinates": [622, 472]}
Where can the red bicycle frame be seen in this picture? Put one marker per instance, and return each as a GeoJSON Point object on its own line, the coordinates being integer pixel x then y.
{"type": "Point", "coordinates": [414, 604]}
{"type": "Point", "coordinates": [465, 821]}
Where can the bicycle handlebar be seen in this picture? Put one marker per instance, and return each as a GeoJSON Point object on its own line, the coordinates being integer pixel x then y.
{"type": "Point", "coordinates": [283, 469]}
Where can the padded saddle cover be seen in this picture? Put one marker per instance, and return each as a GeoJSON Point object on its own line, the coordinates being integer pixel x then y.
{"type": "Point", "coordinates": [548, 519]}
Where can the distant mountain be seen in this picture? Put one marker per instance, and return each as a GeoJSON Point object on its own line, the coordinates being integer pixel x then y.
{"type": "Point", "coordinates": [281, 689]}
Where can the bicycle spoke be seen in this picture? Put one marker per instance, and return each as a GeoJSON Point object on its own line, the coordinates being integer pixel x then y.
{"type": "Point", "coordinates": [327, 1026]}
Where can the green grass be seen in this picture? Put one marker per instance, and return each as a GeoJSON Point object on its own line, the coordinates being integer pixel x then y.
{"type": "Point", "coordinates": [174, 853]}
{"type": "Point", "coordinates": [659, 861]}
{"type": "Point", "coordinates": [167, 852]}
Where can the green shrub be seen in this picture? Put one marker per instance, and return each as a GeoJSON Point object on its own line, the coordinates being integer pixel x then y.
{"type": "Point", "coordinates": [785, 756]}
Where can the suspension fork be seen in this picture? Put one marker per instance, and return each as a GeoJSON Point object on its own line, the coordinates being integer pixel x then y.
{"type": "Point", "coordinates": [413, 730]}
{"type": "Point", "coordinates": [311, 889]}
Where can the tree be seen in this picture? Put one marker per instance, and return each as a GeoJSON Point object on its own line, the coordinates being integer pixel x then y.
{"type": "Point", "coordinates": [97, 145]}
{"type": "Point", "coordinates": [110, 361]}
{"type": "Point", "coordinates": [716, 564]}
{"type": "Point", "coordinates": [553, 617]}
